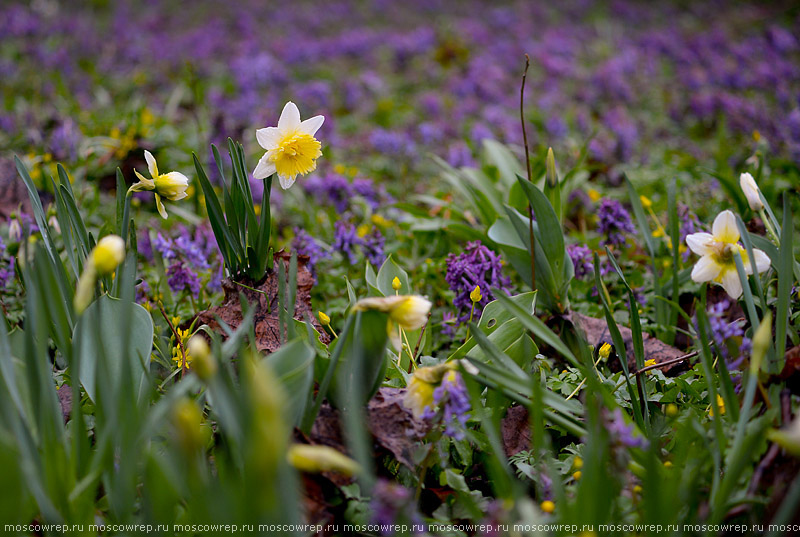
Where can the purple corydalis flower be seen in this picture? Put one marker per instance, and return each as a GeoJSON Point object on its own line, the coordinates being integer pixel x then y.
{"type": "Point", "coordinates": [582, 260]}
{"type": "Point", "coordinates": [722, 331]}
{"type": "Point", "coordinates": [373, 246]}
{"type": "Point", "coordinates": [6, 266]}
{"type": "Point", "coordinates": [304, 244]}
{"type": "Point", "coordinates": [613, 222]}
{"type": "Point", "coordinates": [181, 278]}
{"type": "Point", "coordinates": [622, 433]}
{"type": "Point", "coordinates": [689, 224]}
{"type": "Point", "coordinates": [345, 240]}
{"type": "Point", "coordinates": [391, 504]}
{"type": "Point", "coordinates": [452, 398]}
{"type": "Point", "coordinates": [477, 266]}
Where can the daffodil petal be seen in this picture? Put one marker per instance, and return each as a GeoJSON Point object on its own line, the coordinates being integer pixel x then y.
{"type": "Point", "coordinates": [311, 125]}
{"type": "Point", "coordinates": [160, 206]}
{"type": "Point", "coordinates": [264, 168]}
{"type": "Point", "coordinates": [290, 118]}
{"type": "Point", "coordinates": [172, 186]}
{"type": "Point", "coordinates": [700, 243]}
{"type": "Point", "coordinates": [152, 167]}
{"type": "Point", "coordinates": [731, 283]}
{"type": "Point", "coordinates": [706, 269]}
{"type": "Point", "coordinates": [762, 260]}
{"type": "Point", "coordinates": [286, 181]}
{"type": "Point", "coordinates": [724, 228]}
{"type": "Point", "coordinates": [268, 137]}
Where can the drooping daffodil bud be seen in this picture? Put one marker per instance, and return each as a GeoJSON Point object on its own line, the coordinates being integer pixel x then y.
{"type": "Point", "coordinates": [203, 362]}
{"type": "Point", "coordinates": [751, 192]}
{"type": "Point", "coordinates": [102, 261]}
{"type": "Point", "coordinates": [316, 459]}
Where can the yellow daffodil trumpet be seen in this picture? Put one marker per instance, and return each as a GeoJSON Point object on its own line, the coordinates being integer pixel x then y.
{"type": "Point", "coordinates": [717, 263]}
{"type": "Point", "coordinates": [171, 186]}
{"type": "Point", "coordinates": [292, 149]}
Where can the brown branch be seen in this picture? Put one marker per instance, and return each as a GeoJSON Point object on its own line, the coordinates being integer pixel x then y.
{"type": "Point", "coordinates": [177, 338]}
{"type": "Point", "coordinates": [667, 362]}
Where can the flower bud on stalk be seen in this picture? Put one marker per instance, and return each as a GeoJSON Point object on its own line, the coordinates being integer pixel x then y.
{"type": "Point", "coordinates": [102, 261]}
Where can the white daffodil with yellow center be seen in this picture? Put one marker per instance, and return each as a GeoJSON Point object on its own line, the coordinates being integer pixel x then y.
{"type": "Point", "coordinates": [716, 251]}
{"type": "Point", "coordinates": [291, 147]}
{"type": "Point", "coordinates": [171, 186]}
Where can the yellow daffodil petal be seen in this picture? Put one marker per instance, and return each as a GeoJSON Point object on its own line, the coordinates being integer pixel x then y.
{"type": "Point", "coordinates": [152, 167]}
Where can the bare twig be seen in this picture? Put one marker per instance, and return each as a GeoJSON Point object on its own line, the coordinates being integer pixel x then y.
{"type": "Point", "coordinates": [668, 362]}
{"type": "Point", "coordinates": [528, 170]}
{"type": "Point", "coordinates": [177, 338]}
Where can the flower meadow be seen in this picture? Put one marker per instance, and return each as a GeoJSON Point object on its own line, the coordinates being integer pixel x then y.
{"type": "Point", "coordinates": [399, 268]}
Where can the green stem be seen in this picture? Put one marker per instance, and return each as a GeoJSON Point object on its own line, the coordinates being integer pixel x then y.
{"type": "Point", "coordinates": [770, 229]}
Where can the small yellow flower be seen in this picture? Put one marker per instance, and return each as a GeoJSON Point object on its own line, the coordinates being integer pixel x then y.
{"type": "Point", "coordinates": [396, 285]}
{"type": "Point", "coordinates": [316, 459]}
{"type": "Point", "coordinates": [594, 195]}
{"type": "Point", "coordinates": [637, 489]}
{"type": "Point", "coordinates": [475, 295]}
{"type": "Point", "coordinates": [576, 475]}
{"type": "Point", "coordinates": [324, 319]}
{"type": "Point", "coordinates": [577, 463]}
{"type": "Point", "coordinates": [171, 186]}
{"type": "Point", "coordinates": [291, 147]}
{"type": "Point", "coordinates": [362, 230]}
{"type": "Point", "coordinates": [646, 203]}
{"type": "Point", "coordinates": [658, 233]}
{"type": "Point", "coordinates": [547, 506]}
{"type": "Point", "coordinates": [756, 136]}
{"type": "Point", "coordinates": [667, 464]}
{"type": "Point", "coordinates": [671, 410]}
{"type": "Point", "coordinates": [605, 351]}
{"type": "Point", "coordinates": [717, 249]}
{"type": "Point", "coordinates": [378, 220]}
{"type": "Point", "coordinates": [720, 405]}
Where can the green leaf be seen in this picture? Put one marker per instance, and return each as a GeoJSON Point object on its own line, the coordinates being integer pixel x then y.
{"type": "Point", "coordinates": [387, 273]}
{"type": "Point", "coordinates": [294, 365]}
{"type": "Point", "coordinates": [101, 321]}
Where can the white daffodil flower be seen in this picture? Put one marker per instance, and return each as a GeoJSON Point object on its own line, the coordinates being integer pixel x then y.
{"type": "Point", "coordinates": [750, 189]}
{"type": "Point", "coordinates": [291, 147]}
{"type": "Point", "coordinates": [171, 186]}
{"type": "Point", "coordinates": [717, 263]}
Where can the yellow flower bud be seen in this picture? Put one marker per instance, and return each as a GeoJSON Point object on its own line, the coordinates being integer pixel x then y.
{"type": "Point", "coordinates": [576, 475]}
{"type": "Point", "coordinates": [547, 506]}
{"type": "Point", "coordinates": [108, 254]}
{"type": "Point", "coordinates": [605, 350]}
{"type": "Point", "coordinates": [203, 362]}
{"type": "Point", "coordinates": [671, 410]}
{"type": "Point", "coordinates": [646, 203]}
{"type": "Point", "coordinates": [475, 295]}
{"type": "Point", "coordinates": [396, 285]}
{"type": "Point", "coordinates": [316, 459]}
{"type": "Point", "coordinates": [187, 420]}
{"type": "Point", "coordinates": [324, 319]}
{"type": "Point", "coordinates": [577, 463]}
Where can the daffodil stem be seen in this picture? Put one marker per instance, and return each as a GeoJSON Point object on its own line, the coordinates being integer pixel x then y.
{"type": "Point", "coordinates": [770, 230]}
{"type": "Point", "coordinates": [333, 332]}
{"type": "Point", "coordinates": [528, 171]}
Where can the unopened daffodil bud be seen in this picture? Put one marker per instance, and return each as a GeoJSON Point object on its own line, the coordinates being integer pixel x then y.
{"type": "Point", "coordinates": [762, 340]}
{"type": "Point", "coordinates": [203, 362]}
{"type": "Point", "coordinates": [476, 295]}
{"type": "Point", "coordinates": [14, 229]}
{"type": "Point", "coordinates": [316, 459]}
{"type": "Point", "coordinates": [551, 174]}
{"type": "Point", "coordinates": [750, 189]}
{"type": "Point", "coordinates": [102, 261]}
{"type": "Point", "coordinates": [396, 285]}
{"type": "Point", "coordinates": [187, 420]}
{"type": "Point", "coordinates": [788, 437]}
{"type": "Point", "coordinates": [324, 319]}
{"type": "Point", "coordinates": [108, 254]}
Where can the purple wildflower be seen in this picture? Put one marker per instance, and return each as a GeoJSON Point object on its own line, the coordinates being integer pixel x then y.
{"type": "Point", "coordinates": [722, 331]}
{"type": "Point", "coordinates": [333, 189]}
{"type": "Point", "coordinates": [164, 246]}
{"type": "Point", "coordinates": [305, 244]}
{"type": "Point", "coordinates": [478, 265]}
{"type": "Point", "coordinates": [582, 260]}
{"type": "Point", "coordinates": [6, 266]}
{"type": "Point", "coordinates": [373, 247]}
{"type": "Point", "coordinates": [392, 504]}
{"type": "Point", "coordinates": [613, 222]}
{"type": "Point", "coordinates": [689, 224]}
{"type": "Point", "coordinates": [448, 324]}
{"type": "Point", "coordinates": [181, 278]}
{"type": "Point", "coordinates": [345, 239]}
{"type": "Point", "coordinates": [452, 398]}
{"type": "Point", "coordinates": [622, 433]}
